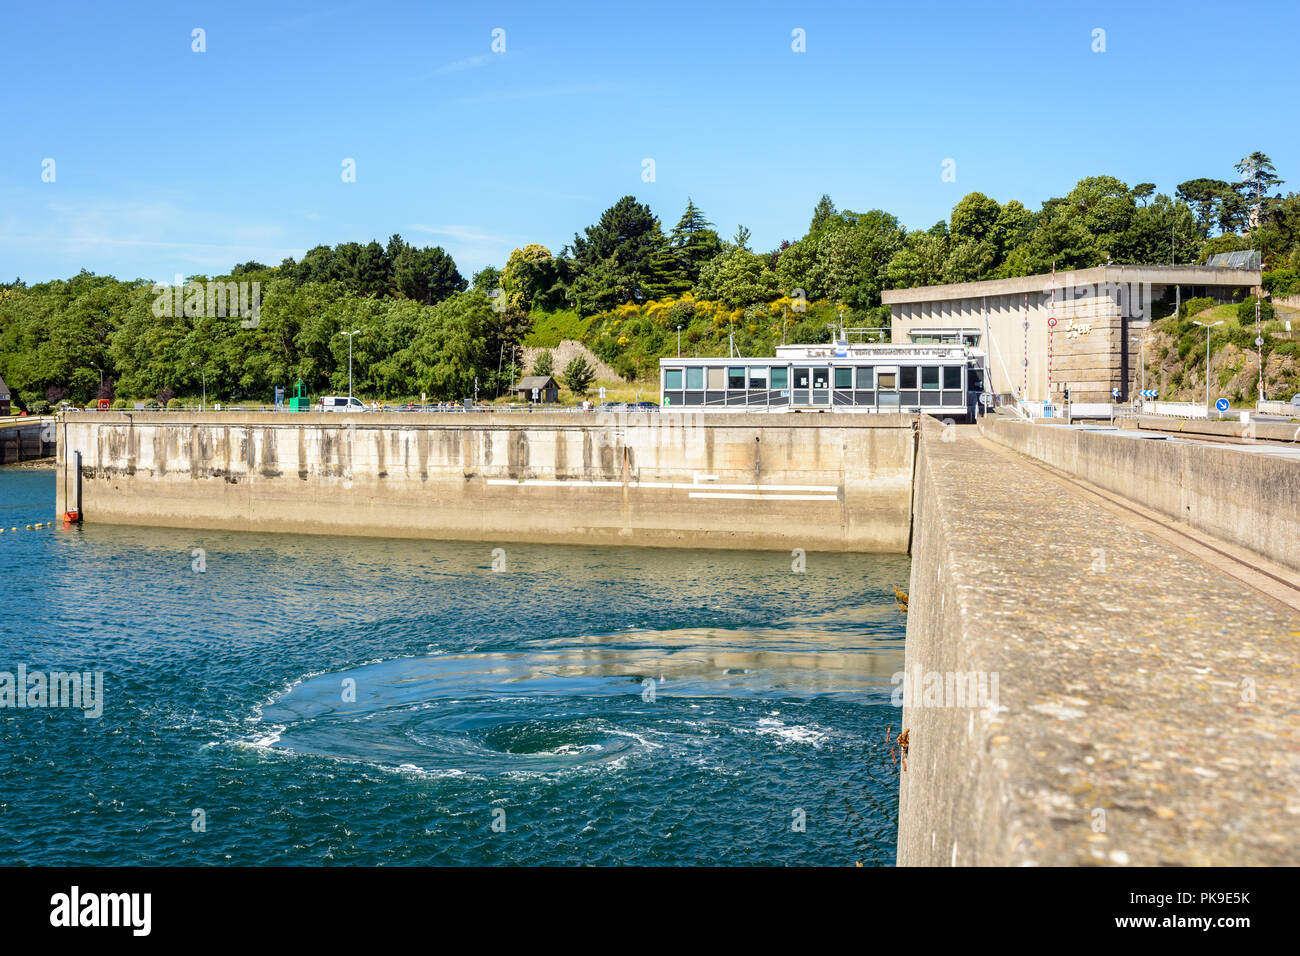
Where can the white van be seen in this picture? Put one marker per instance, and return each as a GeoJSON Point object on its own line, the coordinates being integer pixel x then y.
{"type": "Point", "coordinates": [341, 403]}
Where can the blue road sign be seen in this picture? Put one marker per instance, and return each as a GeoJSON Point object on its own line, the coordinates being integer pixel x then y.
{"type": "Point", "coordinates": [1221, 404]}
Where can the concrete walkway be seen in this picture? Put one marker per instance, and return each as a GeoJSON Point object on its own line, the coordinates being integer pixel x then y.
{"type": "Point", "coordinates": [1148, 707]}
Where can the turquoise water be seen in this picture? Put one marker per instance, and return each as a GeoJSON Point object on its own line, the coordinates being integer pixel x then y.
{"type": "Point", "coordinates": [365, 701]}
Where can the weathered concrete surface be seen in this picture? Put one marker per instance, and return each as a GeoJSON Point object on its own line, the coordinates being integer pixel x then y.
{"type": "Point", "coordinates": [746, 481]}
{"type": "Point", "coordinates": [1148, 708]}
{"type": "Point", "coordinates": [1248, 499]}
{"type": "Point", "coordinates": [1191, 427]}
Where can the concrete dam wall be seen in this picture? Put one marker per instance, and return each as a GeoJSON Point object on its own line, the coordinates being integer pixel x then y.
{"type": "Point", "coordinates": [821, 482]}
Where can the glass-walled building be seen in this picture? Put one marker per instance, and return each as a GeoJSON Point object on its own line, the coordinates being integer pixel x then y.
{"type": "Point", "coordinates": [943, 379]}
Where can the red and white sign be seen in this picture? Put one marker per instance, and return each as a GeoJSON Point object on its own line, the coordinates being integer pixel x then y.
{"type": "Point", "coordinates": [1052, 322]}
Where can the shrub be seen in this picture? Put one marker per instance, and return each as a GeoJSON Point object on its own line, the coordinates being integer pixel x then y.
{"type": "Point", "coordinates": [1195, 307]}
{"type": "Point", "coordinates": [544, 363]}
{"type": "Point", "coordinates": [119, 403]}
{"type": "Point", "coordinates": [1281, 282]}
{"type": "Point", "coordinates": [175, 403]}
{"type": "Point", "coordinates": [38, 406]}
{"type": "Point", "coordinates": [625, 367]}
{"type": "Point", "coordinates": [1246, 311]}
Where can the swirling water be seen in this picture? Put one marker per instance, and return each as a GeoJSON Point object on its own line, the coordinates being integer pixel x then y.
{"type": "Point", "coordinates": [314, 700]}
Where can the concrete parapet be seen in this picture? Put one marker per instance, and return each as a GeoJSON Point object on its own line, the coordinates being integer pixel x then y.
{"type": "Point", "coordinates": [1251, 500]}
{"type": "Point", "coordinates": [1142, 705]}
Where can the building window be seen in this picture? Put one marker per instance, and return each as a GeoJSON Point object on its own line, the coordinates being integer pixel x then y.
{"type": "Point", "coordinates": [801, 378]}
{"type": "Point", "coordinates": [888, 380]}
{"type": "Point", "coordinates": [736, 378]}
{"type": "Point", "coordinates": [844, 377]}
{"type": "Point", "coordinates": [865, 377]}
{"type": "Point", "coordinates": [717, 379]}
{"type": "Point", "coordinates": [780, 378]}
{"type": "Point", "coordinates": [672, 378]}
{"type": "Point", "coordinates": [695, 377]}
{"type": "Point", "coordinates": [821, 377]}
{"type": "Point", "coordinates": [952, 376]}
{"type": "Point", "coordinates": [757, 377]}
{"type": "Point", "coordinates": [907, 376]}
{"type": "Point", "coordinates": [930, 376]}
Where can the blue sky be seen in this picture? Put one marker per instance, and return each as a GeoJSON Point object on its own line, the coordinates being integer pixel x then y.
{"type": "Point", "coordinates": [169, 161]}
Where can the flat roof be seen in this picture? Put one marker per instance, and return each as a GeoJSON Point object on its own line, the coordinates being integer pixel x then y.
{"type": "Point", "coordinates": [1156, 275]}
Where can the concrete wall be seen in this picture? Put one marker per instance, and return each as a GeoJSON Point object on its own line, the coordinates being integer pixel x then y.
{"type": "Point", "coordinates": [1141, 706]}
{"type": "Point", "coordinates": [673, 479]}
{"type": "Point", "coordinates": [1252, 500]}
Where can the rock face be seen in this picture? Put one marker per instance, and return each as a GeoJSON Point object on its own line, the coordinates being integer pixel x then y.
{"type": "Point", "coordinates": [563, 354]}
{"type": "Point", "coordinates": [1234, 371]}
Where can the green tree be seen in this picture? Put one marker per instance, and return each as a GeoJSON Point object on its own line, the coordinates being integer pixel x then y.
{"type": "Point", "coordinates": [578, 375]}
{"type": "Point", "coordinates": [544, 363]}
{"type": "Point", "coordinates": [616, 259]}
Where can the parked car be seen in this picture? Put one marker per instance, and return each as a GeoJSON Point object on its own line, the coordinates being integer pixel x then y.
{"type": "Point", "coordinates": [647, 406]}
{"type": "Point", "coordinates": [341, 403]}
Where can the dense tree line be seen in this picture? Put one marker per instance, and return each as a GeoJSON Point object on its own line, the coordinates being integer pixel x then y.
{"type": "Point", "coordinates": [426, 329]}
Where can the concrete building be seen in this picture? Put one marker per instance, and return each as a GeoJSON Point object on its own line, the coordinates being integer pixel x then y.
{"type": "Point", "coordinates": [1101, 315]}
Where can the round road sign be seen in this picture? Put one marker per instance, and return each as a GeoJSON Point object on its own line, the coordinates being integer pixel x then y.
{"type": "Point", "coordinates": [1259, 341]}
{"type": "Point", "coordinates": [1221, 404]}
{"type": "Point", "coordinates": [1052, 322]}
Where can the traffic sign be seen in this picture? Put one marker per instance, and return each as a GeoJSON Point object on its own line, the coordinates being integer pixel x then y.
{"type": "Point", "coordinates": [1114, 393]}
{"type": "Point", "coordinates": [1221, 404]}
{"type": "Point", "coordinates": [1259, 341]}
{"type": "Point", "coordinates": [1052, 322]}
{"type": "Point", "coordinates": [986, 398]}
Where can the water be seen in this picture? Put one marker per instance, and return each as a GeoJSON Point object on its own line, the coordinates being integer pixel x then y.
{"type": "Point", "coordinates": [314, 700]}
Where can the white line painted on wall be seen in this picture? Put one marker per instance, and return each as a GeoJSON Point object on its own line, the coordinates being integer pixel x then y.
{"type": "Point", "coordinates": [660, 485]}
{"type": "Point", "coordinates": [769, 497]}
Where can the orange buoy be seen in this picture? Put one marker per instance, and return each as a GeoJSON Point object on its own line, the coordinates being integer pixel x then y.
{"type": "Point", "coordinates": [71, 517]}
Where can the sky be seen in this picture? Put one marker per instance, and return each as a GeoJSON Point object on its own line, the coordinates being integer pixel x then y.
{"type": "Point", "coordinates": [169, 161]}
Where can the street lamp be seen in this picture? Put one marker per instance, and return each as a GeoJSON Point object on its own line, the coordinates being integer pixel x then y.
{"type": "Point", "coordinates": [349, 335]}
{"type": "Point", "coordinates": [204, 376]}
{"type": "Point", "coordinates": [679, 341]}
{"type": "Point", "coordinates": [1207, 328]}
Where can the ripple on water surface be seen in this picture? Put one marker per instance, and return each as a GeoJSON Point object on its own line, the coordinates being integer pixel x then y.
{"type": "Point", "coordinates": [616, 705]}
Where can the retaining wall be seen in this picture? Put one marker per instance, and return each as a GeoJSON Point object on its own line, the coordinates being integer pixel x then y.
{"type": "Point", "coordinates": [823, 482]}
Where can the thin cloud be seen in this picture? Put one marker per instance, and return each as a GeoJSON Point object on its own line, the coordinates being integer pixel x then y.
{"type": "Point", "coordinates": [528, 94]}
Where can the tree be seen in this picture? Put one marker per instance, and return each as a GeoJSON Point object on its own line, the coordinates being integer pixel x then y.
{"type": "Point", "coordinates": [823, 213]}
{"type": "Point", "coordinates": [1257, 177]}
{"type": "Point", "coordinates": [737, 278]}
{"type": "Point", "coordinates": [1142, 192]}
{"type": "Point", "coordinates": [1207, 197]}
{"type": "Point", "coordinates": [544, 363]}
{"type": "Point", "coordinates": [426, 275]}
{"type": "Point", "coordinates": [532, 276]}
{"type": "Point", "coordinates": [616, 259]}
{"type": "Point", "coordinates": [974, 217]}
{"type": "Point", "coordinates": [578, 375]}
{"type": "Point", "coordinates": [741, 240]}
{"type": "Point", "coordinates": [692, 243]}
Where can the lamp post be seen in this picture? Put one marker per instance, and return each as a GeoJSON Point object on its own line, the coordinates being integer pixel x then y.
{"type": "Point", "coordinates": [1207, 328]}
{"type": "Point", "coordinates": [679, 341]}
{"type": "Point", "coordinates": [204, 376]}
{"type": "Point", "coordinates": [349, 335]}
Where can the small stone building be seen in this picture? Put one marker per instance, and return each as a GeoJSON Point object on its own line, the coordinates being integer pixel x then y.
{"type": "Point", "coordinates": [4, 398]}
{"type": "Point", "coordinates": [538, 388]}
